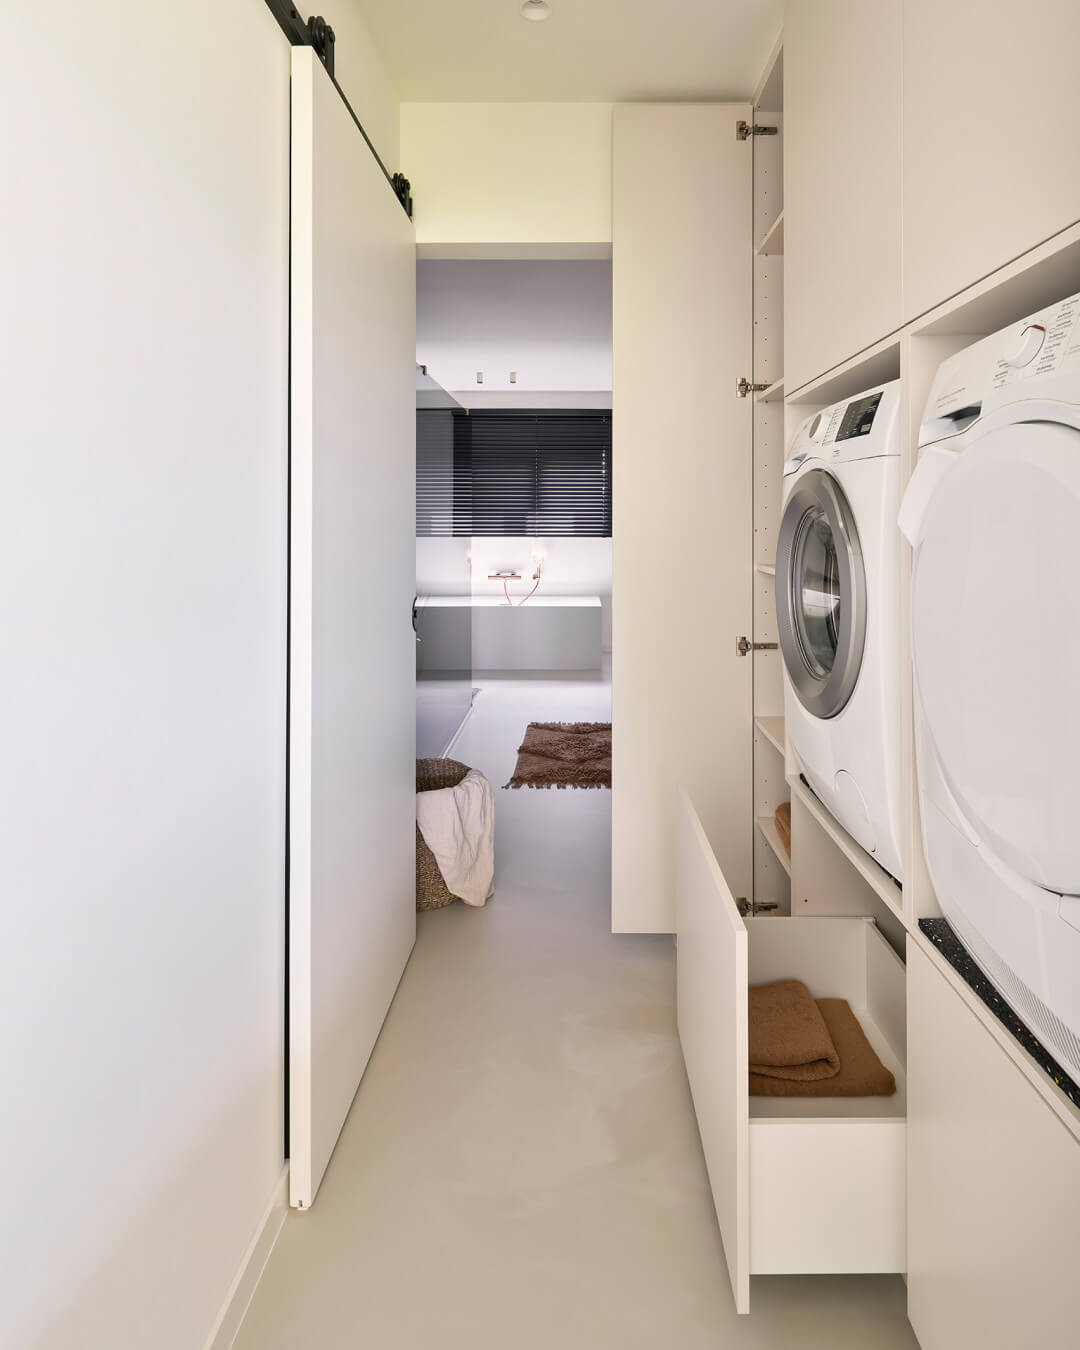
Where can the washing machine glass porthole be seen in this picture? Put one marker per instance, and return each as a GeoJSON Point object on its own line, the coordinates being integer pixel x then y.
{"type": "Point", "coordinates": [816, 593]}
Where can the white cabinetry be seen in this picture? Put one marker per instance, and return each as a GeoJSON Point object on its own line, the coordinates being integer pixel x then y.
{"type": "Point", "coordinates": [682, 497]}
{"type": "Point", "coordinates": [991, 137]}
{"type": "Point", "coordinates": [801, 1185]}
{"type": "Point", "coordinates": [993, 1183]}
{"type": "Point", "coordinates": [841, 181]}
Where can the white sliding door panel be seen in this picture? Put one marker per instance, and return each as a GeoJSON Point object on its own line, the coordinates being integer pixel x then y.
{"type": "Point", "coordinates": [352, 682]}
{"type": "Point", "coordinates": [682, 498]}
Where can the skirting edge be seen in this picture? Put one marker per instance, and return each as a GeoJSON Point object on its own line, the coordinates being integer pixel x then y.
{"type": "Point", "coordinates": [246, 1281]}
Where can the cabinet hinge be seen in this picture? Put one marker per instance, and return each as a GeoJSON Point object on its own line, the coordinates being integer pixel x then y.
{"type": "Point", "coordinates": [744, 130]}
{"type": "Point", "coordinates": [743, 386]}
{"type": "Point", "coordinates": [744, 646]}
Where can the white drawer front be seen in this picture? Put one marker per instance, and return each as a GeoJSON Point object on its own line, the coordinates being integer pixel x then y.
{"type": "Point", "coordinates": [800, 1185]}
{"type": "Point", "coordinates": [711, 976]}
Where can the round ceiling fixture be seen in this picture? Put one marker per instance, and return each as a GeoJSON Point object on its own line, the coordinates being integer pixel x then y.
{"type": "Point", "coordinates": [536, 11]}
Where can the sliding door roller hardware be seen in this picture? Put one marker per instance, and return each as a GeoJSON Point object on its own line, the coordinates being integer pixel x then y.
{"type": "Point", "coordinates": [317, 34]}
{"type": "Point", "coordinates": [744, 646]}
{"type": "Point", "coordinates": [743, 131]}
{"type": "Point", "coordinates": [743, 386]}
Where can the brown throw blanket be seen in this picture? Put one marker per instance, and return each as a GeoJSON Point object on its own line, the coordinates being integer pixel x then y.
{"type": "Point", "coordinates": [861, 1073]}
{"type": "Point", "coordinates": [788, 1036]}
{"type": "Point", "coordinates": [564, 754]}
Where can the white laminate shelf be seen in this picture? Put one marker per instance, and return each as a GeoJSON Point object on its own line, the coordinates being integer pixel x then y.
{"type": "Point", "coordinates": [875, 877]}
{"type": "Point", "coordinates": [772, 245]}
{"type": "Point", "coordinates": [767, 826]}
{"type": "Point", "coordinates": [874, 365]}
{"type": "Point", "coordinates": [773, 393]}
{"type": "Point", "coordinates": [772, 728]}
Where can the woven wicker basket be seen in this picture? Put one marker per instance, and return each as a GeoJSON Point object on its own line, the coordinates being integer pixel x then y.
{"type": "Point", "coordinates": [432, 774]}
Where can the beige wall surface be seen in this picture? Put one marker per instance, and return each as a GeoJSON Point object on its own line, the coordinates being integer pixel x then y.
{"type": "Point", "coordinates": [360, 72]}
{"type": "Point", "coordinates": [509, 174]}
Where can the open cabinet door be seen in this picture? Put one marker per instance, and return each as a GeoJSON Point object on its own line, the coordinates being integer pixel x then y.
{"type": "Point", "coordinates": [682, 696]}
{"type": "Point", "coordinates": [351, 713]}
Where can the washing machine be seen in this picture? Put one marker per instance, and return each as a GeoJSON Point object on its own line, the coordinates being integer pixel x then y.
{"type": "Point", "coordinates": [992, 513]}
{"type": "Point", "coordinates": [838, 614]}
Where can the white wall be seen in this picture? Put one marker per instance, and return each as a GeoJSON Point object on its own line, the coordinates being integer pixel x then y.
{"type": "Point", "coordinates": [548, 321]}
{"type": "Point", "coordinates": [509, 175]}
{"type": "Point", "coordinates": [359, 70]}
{"type": "Point", "coordinates": [142, 687]}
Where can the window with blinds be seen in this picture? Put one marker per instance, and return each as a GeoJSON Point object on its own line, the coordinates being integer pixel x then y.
{"type": "Point", "coordinates": [510, 472]}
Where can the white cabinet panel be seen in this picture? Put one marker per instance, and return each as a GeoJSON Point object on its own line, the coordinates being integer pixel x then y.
{"type": "Point", "coordinates": [841, 181]}
{"type": "Point", "coordinates": [991, 137]}
{"type": "Point", "coordinates": [993, 1186]}
{"type": "Point", "coordinates": [352, 682]}
{"type": "Point", "coordinates": [801, 1185]}
{"type": "Point", "coordinates": [682, 498]}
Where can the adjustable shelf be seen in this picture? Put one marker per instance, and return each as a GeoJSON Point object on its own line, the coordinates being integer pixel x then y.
{"type": "Point", "coordinates": [767, 826]}
{"type": "Point", "coordinates": [879, 881]}
{"type": "Point", "coordinates": [772, 246]}
{"type": "Point", "coordinates": [772, 728]}
{"type": "Point", "coordinates": [774, 393]}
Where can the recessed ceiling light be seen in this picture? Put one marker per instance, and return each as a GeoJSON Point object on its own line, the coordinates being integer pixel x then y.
{"type": "Point", "coordinates": [536, 11]}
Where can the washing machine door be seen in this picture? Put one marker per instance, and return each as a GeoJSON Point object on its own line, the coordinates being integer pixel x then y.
{"type": "Point", "coordinates": [996, 644]}
{"type": "Point", "coordinates": [820, 594]}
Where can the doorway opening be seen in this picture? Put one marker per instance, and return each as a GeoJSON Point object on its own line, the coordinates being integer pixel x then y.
{"type": "Point", "coordinates": [514, 547]}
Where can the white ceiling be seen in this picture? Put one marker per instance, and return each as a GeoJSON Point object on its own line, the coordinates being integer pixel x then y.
{"type": "Point", "coordinates": [588, 51]}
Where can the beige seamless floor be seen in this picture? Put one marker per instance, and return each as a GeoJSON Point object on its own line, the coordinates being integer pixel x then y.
{"type": "Point", "coordinates": [521, 1165]}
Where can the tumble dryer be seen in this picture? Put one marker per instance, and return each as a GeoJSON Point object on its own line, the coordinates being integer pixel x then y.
{"type": "Point", "coordinates": [992, 513]}
{"type": "Point", "coordinates": [838, 614]}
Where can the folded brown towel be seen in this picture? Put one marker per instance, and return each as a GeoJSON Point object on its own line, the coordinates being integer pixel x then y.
{"type": "Point", "coordinates": [861, 1074]}
{"type": "Point", "coordinates": [783, 825]}
{"type": "Point", "coordinates": [788, 1036]}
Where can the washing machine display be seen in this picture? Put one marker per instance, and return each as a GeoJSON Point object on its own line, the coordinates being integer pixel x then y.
{"type": "Point", "coordinates": [837, 607]}
{"type": "Point", "coordinates": [991, 513]}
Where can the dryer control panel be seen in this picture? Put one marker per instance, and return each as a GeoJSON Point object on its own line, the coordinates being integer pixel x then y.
{"type": "Point", "coordinates": [1035, 359]}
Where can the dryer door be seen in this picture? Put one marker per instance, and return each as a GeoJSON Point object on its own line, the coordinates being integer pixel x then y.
{"type": "Point", "coordinates": [820, 594]}
{"type": "Point", "coordinates": [996, 644]}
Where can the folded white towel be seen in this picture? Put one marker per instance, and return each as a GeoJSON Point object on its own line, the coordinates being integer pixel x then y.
{"type": "Point", "coordinates": [458, 825]}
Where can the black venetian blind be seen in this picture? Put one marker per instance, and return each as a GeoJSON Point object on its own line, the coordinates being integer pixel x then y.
{"type": "Point", "coordinates": [512, 472]}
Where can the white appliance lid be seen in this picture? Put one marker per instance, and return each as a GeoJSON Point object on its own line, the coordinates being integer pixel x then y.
{"type": "Point", "coordinates": [996, 643]}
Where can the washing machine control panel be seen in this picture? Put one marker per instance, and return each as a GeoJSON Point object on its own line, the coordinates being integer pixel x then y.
{"type": "Point", "coordinates": [858, 417]}
{"type": "Point", "coordinates": [863, 427]}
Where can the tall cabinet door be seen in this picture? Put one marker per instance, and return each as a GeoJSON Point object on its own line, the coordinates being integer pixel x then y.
{"type": "Point", "coordinates": [841, 181]}
{"type": "Point", "coordinates": [991, 110]}
{"type": "Point", "coordinates": [682, 498]}
{"type": "Point", "coordinates": [352, 730]}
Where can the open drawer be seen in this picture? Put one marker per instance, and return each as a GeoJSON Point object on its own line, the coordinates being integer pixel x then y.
{"type": "Point", "coordinates": [801, 1185]}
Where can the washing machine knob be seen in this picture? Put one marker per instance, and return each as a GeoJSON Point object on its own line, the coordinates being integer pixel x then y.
{"type": "Point", "coordinates": [1028, 347]}
{"type": "Point", "coordinates": [818, 428]}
